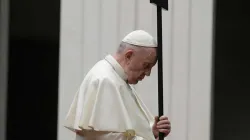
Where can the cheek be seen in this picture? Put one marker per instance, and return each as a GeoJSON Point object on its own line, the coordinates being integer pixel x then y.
{"type": "Point", "coordinates": [135, 69]}
{"type": "Point", "coordinates": [136, 73]}
{"type": "Point", "coordinates": [132, 71]}
{"type": "Point", "coordinates": [137, 66]}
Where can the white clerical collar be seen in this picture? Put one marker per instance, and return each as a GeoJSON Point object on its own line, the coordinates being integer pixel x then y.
{"type": "Point", "coordinates": [117, 67]}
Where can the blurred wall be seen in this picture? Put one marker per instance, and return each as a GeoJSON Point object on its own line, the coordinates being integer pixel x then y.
{"type": "Point", "coordinates": [3, 65]}
{"type": "Point", "coordinates": [91, 29]}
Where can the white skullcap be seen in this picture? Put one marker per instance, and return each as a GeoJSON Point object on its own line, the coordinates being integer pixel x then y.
{"type": "Point", "coordinates": [140, 38]}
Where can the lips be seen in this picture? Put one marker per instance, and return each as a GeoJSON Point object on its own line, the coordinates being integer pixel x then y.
{"type": "Point", "coordinates": [142, 77]}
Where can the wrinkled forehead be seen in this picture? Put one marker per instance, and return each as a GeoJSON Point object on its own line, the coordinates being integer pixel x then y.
{"type": "Point", "coordinates": [150, 55]}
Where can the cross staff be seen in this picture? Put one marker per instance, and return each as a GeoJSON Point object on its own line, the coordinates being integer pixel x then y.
{"type": "Point", "coordinates": [160, 4]}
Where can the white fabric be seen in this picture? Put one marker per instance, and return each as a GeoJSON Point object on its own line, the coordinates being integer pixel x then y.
{"type": "Point", "coordinates": [101, 136]}
{"type": "Point", "coordinates": [105, 136]}
{"type": "Point", "coordinates": [140, 38]}
{"type": "Point", "coordinates": [106, 103]}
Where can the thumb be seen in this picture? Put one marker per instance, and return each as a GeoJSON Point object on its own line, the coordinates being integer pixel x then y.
{"type": "Point", "coordinates": [156, 118]}
{"type": "Point", "coordinates": [156, 121]}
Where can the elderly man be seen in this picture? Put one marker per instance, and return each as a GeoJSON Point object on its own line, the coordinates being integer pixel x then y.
{"type": "Point", "coordinates": [106, 106]}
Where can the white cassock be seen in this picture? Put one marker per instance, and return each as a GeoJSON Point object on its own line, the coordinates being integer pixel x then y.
{"type": "Point", "coordinates": [107, 108]}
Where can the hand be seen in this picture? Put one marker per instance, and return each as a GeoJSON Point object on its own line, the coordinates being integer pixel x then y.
{"type": "Point", "coordinates": [162, 125]}
{"type": "Point", "coordinates": [79, 132]}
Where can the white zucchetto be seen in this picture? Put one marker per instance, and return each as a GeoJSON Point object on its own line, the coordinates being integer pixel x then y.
{"type": "Point", "coordinates": [140, 38]}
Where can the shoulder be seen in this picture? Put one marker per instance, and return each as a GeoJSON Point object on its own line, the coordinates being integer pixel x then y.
{"type": "Point", "coordinates": [105, 80]}
{"type": "Point", "coordinates": [100, 78]}
{"type": "Point", "coordinates": [102, 71]}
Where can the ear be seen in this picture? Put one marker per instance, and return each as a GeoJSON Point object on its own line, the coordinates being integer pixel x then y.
{"type": "Point", "coordinates": [128, 55]}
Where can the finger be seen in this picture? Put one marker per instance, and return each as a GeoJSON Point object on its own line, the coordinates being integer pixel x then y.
{"type": "Point", "coordinates": [165, 131]}
{"type": "Point", "coordinates": [164, 126]}
{"type": "Point", "coordinates": [163, 118]}
{"type": "Point", "coordinates": [163, 122]}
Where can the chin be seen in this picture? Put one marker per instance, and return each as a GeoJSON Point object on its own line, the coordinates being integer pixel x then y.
{"type": "Point", "coordinates": [133, 82]}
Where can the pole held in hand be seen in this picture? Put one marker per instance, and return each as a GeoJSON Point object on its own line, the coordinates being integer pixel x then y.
{"type": "Point", "coordinates": [161, 4]}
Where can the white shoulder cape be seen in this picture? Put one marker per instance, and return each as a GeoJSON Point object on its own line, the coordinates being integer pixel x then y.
{"type": "Point", "coordinates": [102, 103]}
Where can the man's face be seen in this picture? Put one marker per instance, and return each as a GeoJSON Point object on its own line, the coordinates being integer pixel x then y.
{"type": "Point", "coordinates": [140, 63]}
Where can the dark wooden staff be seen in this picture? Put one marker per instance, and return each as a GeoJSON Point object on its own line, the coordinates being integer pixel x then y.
{"type": "Point", "coordinates": [161, 4]}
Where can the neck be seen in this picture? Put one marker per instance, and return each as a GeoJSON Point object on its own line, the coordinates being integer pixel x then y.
{"type": "Point", "coordinates": [120, 60]}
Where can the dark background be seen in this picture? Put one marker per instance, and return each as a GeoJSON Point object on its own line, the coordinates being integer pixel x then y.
{"type": "Point", "coordinates": [231, 102]}
{"type": "Point", "coordinates": [33, 69]}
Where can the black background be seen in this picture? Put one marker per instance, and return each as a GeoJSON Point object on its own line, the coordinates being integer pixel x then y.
{"type": "Point", "coordinates": [33, 69]}
{"type": "Point", "coordinates": [231, 104]}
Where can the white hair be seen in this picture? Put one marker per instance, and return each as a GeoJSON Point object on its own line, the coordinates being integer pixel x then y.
{"type": "Point", "coordinates": [123, 46]}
